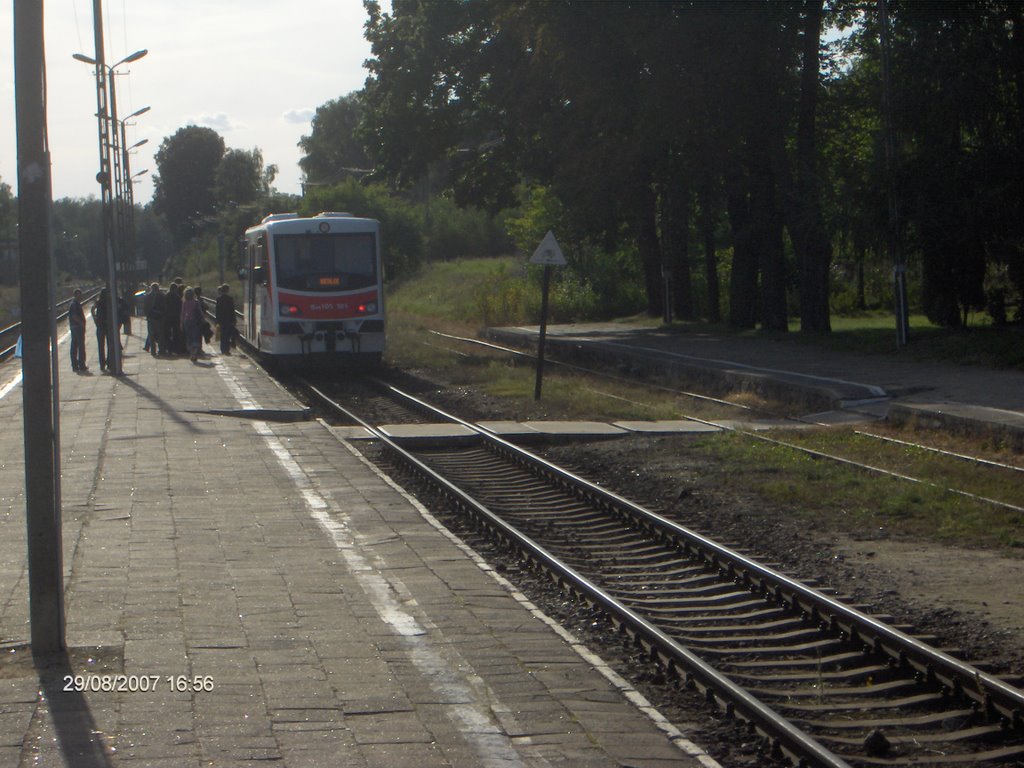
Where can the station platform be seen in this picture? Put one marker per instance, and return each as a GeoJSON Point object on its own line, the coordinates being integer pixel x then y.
{"type": "Point", "coordinates": [254, 591]}
{"type": "Point", "coordinates": [831, 386]}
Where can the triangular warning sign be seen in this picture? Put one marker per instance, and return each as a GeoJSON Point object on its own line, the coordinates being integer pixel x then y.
{"type": "Point", "coordinates": [549, 252]}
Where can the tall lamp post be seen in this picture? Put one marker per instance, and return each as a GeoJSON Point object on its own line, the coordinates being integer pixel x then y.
{"type": "Point", "coordinates": [109, 165]}
{"type": "Point", "coordinates": [128, 200]}
{"type": "Point", "coordinates": [129, 183]}
{"type": "Point", "coordinates": [127, 197]}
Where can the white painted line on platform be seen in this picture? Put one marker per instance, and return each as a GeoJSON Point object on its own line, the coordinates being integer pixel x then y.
{"type": "Point", "coordinates": [10, 386]}
{"type": "Point", "coordinates": [14, 383]}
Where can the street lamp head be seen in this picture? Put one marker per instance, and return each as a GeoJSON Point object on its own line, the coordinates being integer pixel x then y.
{"type": "Point", "coordinates": [138, 112]}
{"type": "Point", "coordinates": [137, 144]}
{"type": "Point", "coordinates": [134, 57]}
{"type": "Point", "coordinates": [126, 60]}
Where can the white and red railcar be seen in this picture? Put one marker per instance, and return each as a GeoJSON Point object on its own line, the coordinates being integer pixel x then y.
{"type": "Point", "coordinates": [313, 289]}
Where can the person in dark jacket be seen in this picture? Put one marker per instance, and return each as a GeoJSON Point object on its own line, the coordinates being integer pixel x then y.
{"type": "Point", "coordinates": [76, 323]}
{"type": "Point", "coordinates": [172, 321]}
{"type": "Point", "coordinates": [100, 313]}
{"type": "Point", "coordinates": [224, 314]}
{"type": "Point", "coordinates": [153, 308]}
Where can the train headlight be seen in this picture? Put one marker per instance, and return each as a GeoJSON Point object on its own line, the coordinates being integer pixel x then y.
{"type": "Point", "coordinates": [289, 310]}
{"type": "Point", "coordinates": [368, 308]}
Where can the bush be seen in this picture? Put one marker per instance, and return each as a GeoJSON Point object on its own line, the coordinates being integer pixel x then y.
{"type": "Point", "coordinates": [450, 232]}
{"type": "Point", "coordinates": [1000, 293]}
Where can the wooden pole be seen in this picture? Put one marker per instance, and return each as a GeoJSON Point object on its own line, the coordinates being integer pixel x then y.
{"type": "Point", "coordinates": [45, 557]}
{"type": "Point", "coordinates": [543, 331]}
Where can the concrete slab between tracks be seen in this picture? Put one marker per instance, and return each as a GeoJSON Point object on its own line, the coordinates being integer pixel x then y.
{"type": "Point", "coordinates": [244, 590]}
{"type": "Point", "coordinates": [434, 435]}
{"type": "Point", "coordinates": [1005, 426]}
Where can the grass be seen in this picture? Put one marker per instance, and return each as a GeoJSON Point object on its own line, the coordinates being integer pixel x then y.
{"type": "Point", "coordinates": [830, 496]}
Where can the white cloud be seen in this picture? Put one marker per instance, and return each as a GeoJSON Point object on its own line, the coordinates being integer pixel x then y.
{"type": "Point", "coordinates": [299, 116]}
{"type": "Point", "coordinates": [219, 122]}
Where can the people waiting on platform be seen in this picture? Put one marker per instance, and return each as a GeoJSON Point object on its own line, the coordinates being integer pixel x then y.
{"type": "Point", "coordinates": [100, 315]}
{"type": "Point", "coordinates": [175, 344]}
{"type": "Point", "coordinates": [224, 315]}
{"type": "Point", "coordinates": [192, 323]}
{"type": "Point", "coordinates": [76, 322]}
{"type": "Point", "coordinates": [153, 309]}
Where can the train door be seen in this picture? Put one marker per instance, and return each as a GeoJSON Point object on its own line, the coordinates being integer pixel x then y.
{"type": "Point", "coordinates": [249, 298]}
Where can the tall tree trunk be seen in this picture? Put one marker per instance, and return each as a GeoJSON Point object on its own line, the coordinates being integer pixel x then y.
{"type": "Point", "coordinates": [767, 224]}
{"type": "Point", "coordinates": [650, 252]}
{"type": "Point", "coordinates": [743, 304]}
{"type": "Point", "coordinates": [675, 226]}
{"type": "Point", "coordinates": [707, 229]}
{"type": "Point", "coordinates": [807, 229]}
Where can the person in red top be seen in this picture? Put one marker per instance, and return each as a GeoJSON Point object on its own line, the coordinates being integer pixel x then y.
{"type": "Point", "coordinates": [76, 321]}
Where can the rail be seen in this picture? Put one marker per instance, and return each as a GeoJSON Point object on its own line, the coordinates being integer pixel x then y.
{"type": "Point", "coordinates": [9, 335]}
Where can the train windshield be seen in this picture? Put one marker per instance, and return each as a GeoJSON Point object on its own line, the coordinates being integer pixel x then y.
{"type": "Point", "coordinates": [328, 262]}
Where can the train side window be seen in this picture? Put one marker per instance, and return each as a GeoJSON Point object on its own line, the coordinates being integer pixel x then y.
{"type": "Point", "coordinates": [261, 264]}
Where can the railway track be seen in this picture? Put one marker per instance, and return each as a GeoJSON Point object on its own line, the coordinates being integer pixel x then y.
{"type": "Point", "coordinates": [900, 459]}
{"type": "Point", "coordinates": [824, 683]}
{"type": "Point", "coordinates": [9, 335]}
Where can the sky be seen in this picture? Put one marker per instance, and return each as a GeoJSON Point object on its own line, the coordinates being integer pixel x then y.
{"type": "Point", "coordinates": [253, 70]}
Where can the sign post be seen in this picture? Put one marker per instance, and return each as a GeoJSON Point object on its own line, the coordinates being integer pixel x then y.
{"type": "Point", "coordinates": [548, 253]}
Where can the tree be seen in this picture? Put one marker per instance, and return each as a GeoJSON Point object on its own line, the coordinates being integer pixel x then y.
{"type": "Point", "coordinates": [7, 210]}
{"type": "Point", "coordinates": [648, 119]}
{"type": "Point", "coordinates": [78, 248]}
{"type": "Point", "coordinates": [185, 183]}
{"type": "Point", "coordinates": [958, 111]}
{"type": "Point", "coordinates": [334, 150]}
{"type": "Point", "coordinates": [239, 178]}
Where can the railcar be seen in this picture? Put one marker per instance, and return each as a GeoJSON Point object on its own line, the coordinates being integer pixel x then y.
{"type": "Point", "coordinates": [313, 291]}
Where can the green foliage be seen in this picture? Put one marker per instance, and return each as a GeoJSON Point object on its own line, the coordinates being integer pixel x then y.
{"type": "Point", "coordinates": [451, 232]}
{"type": "Point", "coordinates": [541, 212]}
{"type": "Point", "coordinates": [8, 212]}
{"type": "Point", "coordinates": [1001, 295]}
{"type": "Point", "coordinates": [621, 109]}
{"type": "Point", "coordinates": [184, 187]}
{"type": "Point", "coordinates": [598, 282]}
{"type": "Point", "coordinates": [77, 226]}
{"type": "Point", "coordinates": [198, 258]}
{"type": "Point", "coordinates": [239, 178]}
{"type": "Point", "coordinates": [333, 150]}
{"type": "Point", "coordinates": [451, 290]}
{"type": "Point", "coordinates": [495, 291]}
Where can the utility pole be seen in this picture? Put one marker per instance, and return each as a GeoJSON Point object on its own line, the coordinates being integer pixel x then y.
{"type": "Point", "coordinates": [106, 179]}
{"type": "Point", "coordinates": [42, 482]}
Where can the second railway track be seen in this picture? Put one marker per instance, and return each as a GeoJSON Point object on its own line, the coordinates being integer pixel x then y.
{"type": "Point", "coordinates": [825, 684]}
